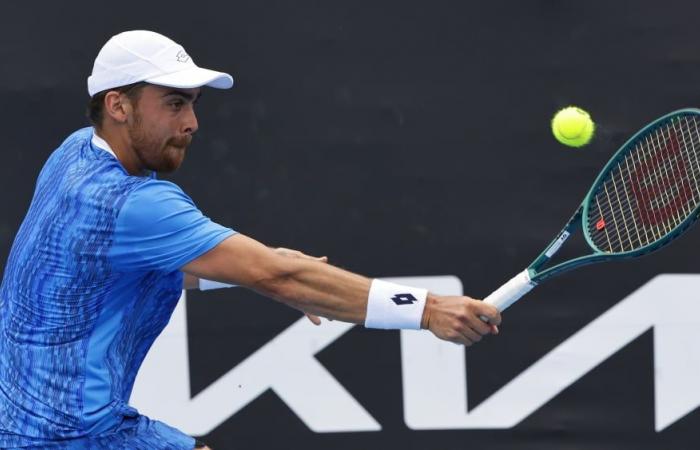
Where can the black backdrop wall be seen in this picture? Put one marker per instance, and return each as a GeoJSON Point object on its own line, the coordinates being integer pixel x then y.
{"type": "Point", "coordinates": [400, 138]}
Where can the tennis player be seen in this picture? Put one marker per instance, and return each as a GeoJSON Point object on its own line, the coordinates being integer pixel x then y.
{"type": "Point", "coordinates": [105, 249]}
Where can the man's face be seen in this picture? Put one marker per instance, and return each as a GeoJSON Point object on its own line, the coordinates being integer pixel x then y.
{"type": "Point", "coordinates": [162, 125]}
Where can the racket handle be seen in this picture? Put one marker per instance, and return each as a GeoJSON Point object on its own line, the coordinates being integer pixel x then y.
{"type": "Point", "coordinates": [510, 292]}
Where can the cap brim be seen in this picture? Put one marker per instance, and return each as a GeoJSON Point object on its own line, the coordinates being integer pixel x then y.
{"type": "Point", "coordinates": [194, 77]}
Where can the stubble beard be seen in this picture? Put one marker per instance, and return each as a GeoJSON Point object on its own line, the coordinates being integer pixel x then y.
{"type": "Point", "coordinates": [153, 154]}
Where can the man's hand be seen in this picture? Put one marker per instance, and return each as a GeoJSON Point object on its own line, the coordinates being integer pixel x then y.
{"type": "Point", "coordinates": [297, 254]}
{"type": "Point", "coordinates": [457, 319]}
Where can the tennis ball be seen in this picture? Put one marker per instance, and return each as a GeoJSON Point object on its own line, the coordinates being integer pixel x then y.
{"type": "Point", "coordinates": [573, 126]}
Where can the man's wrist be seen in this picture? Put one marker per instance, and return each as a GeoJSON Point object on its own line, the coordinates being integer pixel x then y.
{"type": "Point", "coordinates": [427, 310]}
{"type": "Point", "coordinates": [394, 306]}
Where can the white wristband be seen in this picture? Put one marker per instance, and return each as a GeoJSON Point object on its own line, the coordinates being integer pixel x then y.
{"type": "Point", "coordinates": [393, 306]}
{"type": "Point", "coordinates": [207, 285]}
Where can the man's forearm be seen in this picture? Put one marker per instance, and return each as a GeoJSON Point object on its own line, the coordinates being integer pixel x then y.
{"type": "Point", "coordinates": [303, 283]}
{"type": "Point", "coordinates": [321, 289]}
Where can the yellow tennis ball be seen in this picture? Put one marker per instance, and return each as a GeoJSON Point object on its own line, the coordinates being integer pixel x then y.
{"type": "Point", "coordinates": [573, 126]}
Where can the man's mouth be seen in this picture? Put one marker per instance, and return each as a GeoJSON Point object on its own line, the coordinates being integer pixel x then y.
{"type": "Point", "coordinates": [180, 142]}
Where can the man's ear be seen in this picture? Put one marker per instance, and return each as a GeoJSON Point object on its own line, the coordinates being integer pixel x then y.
{"type": "Point", "coordinates": [117, 106]}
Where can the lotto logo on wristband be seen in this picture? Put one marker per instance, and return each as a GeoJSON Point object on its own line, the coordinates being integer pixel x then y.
{"type": "Point", "coordinates": [406, 311]}
{"type": "Point", "coordinates": [404, 299]}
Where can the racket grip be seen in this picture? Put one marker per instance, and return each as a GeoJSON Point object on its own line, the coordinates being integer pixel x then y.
{"type": "Point", "coordinates": [510, 292]}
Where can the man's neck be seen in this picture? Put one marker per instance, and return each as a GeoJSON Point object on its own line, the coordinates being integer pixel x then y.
{"type": "Point", "coordinates": [122, 150]}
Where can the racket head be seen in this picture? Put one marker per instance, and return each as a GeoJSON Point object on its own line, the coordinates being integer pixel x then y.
{"type": "Point", "coordinates": [649, 192]}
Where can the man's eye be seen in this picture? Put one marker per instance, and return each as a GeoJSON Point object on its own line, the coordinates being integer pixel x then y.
{"type": "Point", "coordinates": [177, 104]}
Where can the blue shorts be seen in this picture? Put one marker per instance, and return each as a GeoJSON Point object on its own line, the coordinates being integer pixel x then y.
{"type": "Point", "coordinates": [137, 433]}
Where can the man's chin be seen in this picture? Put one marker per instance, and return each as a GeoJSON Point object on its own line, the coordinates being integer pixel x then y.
{"type": "Point", "coordinates": [169, 165]}
{"type": "Point", "coordinates": [176, 156]}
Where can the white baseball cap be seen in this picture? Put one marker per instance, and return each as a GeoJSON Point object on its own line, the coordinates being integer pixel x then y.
{"type": "Point", "coordinates": [139, 55]}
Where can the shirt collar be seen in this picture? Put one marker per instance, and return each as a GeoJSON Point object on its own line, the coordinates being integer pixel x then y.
{"type": "Point", "coordinates": [102, 144]}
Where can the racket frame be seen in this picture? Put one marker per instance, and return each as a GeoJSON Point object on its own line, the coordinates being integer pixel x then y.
{"type": "Point", "coordinates": [580, 218]}
{"type": "Point", "coordinates": [523, 282]}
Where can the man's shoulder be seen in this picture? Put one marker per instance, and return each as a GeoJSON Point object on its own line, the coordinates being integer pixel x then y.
{"type": "Point", "coordinates": [81, 136]}
{"type": "Point", "coordinates": [71, 147]}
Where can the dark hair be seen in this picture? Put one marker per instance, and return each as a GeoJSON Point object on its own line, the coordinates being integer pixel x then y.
{"type": "Point", "coordinates": [95, 107]}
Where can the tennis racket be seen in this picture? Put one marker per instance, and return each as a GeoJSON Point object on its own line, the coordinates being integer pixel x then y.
{"type": "Point", "coordinates": [647, 195]}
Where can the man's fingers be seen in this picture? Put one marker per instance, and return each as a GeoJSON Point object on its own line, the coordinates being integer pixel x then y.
{"type": "Point", "coordinates": [460, 339]}
{"type": "Point", "coordinates": [458, 319]}
{"type": "Point", "coordinates": [477, 324]}
{"type": "Point", "coordinates": [463, 341]}
{"type": "Point", "coordinates": [314, 319]}
{"type": "Point", "coordinates": [472, 335]}
{"type": "Point", "coordinates": [488, 311]}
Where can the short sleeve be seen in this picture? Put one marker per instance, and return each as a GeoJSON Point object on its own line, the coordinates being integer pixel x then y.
{"type": "Point", "coordinates": [160, 228]}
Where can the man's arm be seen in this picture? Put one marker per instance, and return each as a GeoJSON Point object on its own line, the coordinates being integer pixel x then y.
{"type": "Point", "coordinates": [190, 282]}
{"type": "Point", "coordinates": [322, 289]}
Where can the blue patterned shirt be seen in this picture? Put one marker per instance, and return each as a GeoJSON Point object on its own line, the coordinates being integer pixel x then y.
{"type": "Point", "coordinates": [91, 280]}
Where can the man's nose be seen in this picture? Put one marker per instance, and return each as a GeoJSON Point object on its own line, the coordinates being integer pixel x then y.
{"type": "Point", "coordinates": [190, 124]}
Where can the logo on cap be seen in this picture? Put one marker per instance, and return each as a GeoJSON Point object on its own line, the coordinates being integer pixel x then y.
{"type": "Point", "coordinates": [182, 56]}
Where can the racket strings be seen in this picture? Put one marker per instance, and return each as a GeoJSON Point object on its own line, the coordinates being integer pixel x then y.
{"type": "Point", "coordinates": [650, 191]}
{"type": "Point", "coordinates": [664, 197]}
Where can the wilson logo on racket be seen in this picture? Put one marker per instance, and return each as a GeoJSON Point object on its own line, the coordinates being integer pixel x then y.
{"type": "Point", "coordinates": [599, 225]}
{"type": "Point", "coordinates": [404, 299]}
{"type": "Point", "coordinates": [661, 184]}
